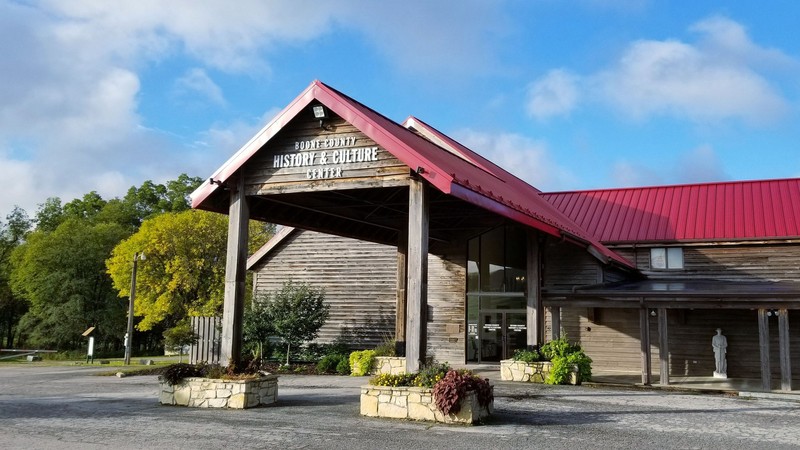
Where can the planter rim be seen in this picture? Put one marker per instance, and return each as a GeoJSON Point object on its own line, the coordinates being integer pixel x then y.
{"type": "Point", "coordinates": [271, 376]}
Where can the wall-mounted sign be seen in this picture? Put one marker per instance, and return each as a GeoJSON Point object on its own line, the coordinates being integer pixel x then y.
{"type": "Point", "coordinates": [325, 158]}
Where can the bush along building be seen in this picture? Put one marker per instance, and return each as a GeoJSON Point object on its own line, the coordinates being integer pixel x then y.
{"type": "Point", "coordinates": [415, 237]}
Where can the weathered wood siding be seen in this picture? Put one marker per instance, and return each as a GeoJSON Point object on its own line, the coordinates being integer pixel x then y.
{"type": "Point", "coordinates": [611, 339]}
{"type": "Point", "coordinates": [743, 262]}
{"type": "Point", "coordinates": [359, 279]}
{"type": "Point", "coordinates": [337, 157]}
{"type": "Point", "coordinates": [566, 265]}
{"type": "Point", "coordinates": [447, 275]}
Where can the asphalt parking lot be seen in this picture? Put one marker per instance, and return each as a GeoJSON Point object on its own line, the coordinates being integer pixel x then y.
{"type": "Point", "coordinates": [67, 407]}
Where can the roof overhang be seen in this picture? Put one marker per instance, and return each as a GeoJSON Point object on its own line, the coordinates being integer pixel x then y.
{"type": "Point", "coordinates": [698, 293]}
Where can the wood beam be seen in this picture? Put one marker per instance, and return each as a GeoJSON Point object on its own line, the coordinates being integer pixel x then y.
{"type": "Point", "coordinates": [663, 347]}
{"type": "Point", "coordinates": [763, 348]}
{"type": "Point", "coordinates": [417, 285]}
{"type": "Point", "coordinates": [402, 281]}
{"type": "Point", "coordinates": [535, 310]}
{"type": "Point", "coordinates": [644, 330]}
{"type": "Point", "coordinates": [235, 270]}
{"type": "Point", "coordinates": [783, 343]}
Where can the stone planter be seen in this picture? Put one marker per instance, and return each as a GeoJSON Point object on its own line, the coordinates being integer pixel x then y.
{"type": "Point", "coordinates": [392, 365]}
{"type": "Point", "coordinates": [535, 372]}
{"type": "Point", "coordinates": [216, 393]}
{"type": "Point", "coordinates": [417, 403]}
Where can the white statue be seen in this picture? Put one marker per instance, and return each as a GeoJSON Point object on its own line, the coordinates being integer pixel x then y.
{"type": "Point", "coordinates": [720, 344]}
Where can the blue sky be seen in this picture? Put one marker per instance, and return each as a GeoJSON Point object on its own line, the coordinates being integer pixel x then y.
{"type": "Point", "coordinates": [582, 94]}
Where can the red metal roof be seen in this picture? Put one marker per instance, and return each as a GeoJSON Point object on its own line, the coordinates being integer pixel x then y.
{"type": "Point", "coordinates": [739, 210]}
{"type": "Point", "coordinates": [461, 173]}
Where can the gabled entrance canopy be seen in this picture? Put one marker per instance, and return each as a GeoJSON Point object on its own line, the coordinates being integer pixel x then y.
{"type": "Point", "coordinates": [471, 192]}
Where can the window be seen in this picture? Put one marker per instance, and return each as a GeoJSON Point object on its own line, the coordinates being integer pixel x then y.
{"type": "Point", "coordinates": [497, 261]}
{"type": "Point", "coordinates": [669, 258]}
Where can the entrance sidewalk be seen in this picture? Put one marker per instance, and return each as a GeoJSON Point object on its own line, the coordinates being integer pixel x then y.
{"type": "Point", "coordinates": [743, 387]}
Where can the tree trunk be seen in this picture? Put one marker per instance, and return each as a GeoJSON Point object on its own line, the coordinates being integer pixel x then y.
{"type": "Point", "coordinates": [288, 347]}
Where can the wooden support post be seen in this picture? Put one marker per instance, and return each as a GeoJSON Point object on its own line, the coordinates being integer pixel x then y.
{"type": "Point", "coordinates": [535, 310]}
{"type": "Point", "coordinates": [235, 270]}
{"type": "Point", "coordinates": [402, 280]}
{"type": "Point", "coordinates": [763, 347]}
{"type": "Point", "coordinates": [555, 322]}
{"type": "Point", "coordinates": [663, 347]}
{"type": "Point", "coordinates": [783, 342]}
{"type": "Point", "coordinates": [417, 285]}
{"type": "Point", "coordinates": [644, 330]}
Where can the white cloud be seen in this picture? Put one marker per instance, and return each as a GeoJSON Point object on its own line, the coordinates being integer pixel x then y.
{"type": "Point", "coordinates": [524, 157]}
{"type": "Point", "coordinates": [698, 165]}
{"type": "Point", "coordinates": [673, 78]}
{"type": "Point", "coordinates": [627, 174]}
{"type": "Point", "coordinates": [552, 95]}
{"type": "Point", "coordinates": [723, 75]}
{"type": "Point", "coordinates": [196, 81]}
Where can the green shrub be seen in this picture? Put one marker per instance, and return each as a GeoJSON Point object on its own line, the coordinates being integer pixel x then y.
{"type": "Point", "coordinates": [330, 363]}
{"type": "Point", "coordinates": [175, 373]}
{"type": "Point", "coordinates": [343, 368]}
{"type": "Point", "coordinates": [387, 348]}
{"type": "Point", "coordinates": [527, 356]}
{"type": "Point", "coordinates": [565, 356]}
{"type": "Point", "coordinates": [430, 374]}
{"type": "Point", "coordinates": [361, 362]}
{"type": "Point", "coordinates": [394, 380]}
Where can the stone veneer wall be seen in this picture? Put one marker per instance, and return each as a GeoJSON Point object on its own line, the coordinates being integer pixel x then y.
{"type": "Point", "coordinates": [417, 403]}
{"type": "Point", "coordinates": [535, 372]}
{"type": "Point", "coordinates": [392, 365]}
{"type": "Point", "coordinates": [215, 393]}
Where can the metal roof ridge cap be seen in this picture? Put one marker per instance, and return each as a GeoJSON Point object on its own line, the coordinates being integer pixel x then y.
{"type": "Point", "coordinates": [341, 100]}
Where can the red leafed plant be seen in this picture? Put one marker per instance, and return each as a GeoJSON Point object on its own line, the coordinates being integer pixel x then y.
{"type": "Point", "coordinates": [455, 385]}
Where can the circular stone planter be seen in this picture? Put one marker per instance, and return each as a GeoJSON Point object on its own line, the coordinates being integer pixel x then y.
{"type": "Point", "coordinates": [217, 393]}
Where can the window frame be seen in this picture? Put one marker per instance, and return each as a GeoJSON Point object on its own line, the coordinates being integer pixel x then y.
{"type": "Point", "coordinates": [674, 263]}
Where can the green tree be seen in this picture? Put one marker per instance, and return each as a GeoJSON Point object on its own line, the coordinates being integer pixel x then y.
{"type": "Point", "coordinates": [184, 271]}
{"type": "Point", "coordinates": [297, 311]}
{"type": "Point", "coordinates": [151, 199]}
{"type": "Point", "coordinates": [179, 336]}
{"type": "Point", "coordinates": [257, 327]}
{"type": "Point", "coordinates": [12, 307]}
{"type": "Point", "coordinates": [62, 274]}
{"type": "Point", "coordinates": [49, 215]}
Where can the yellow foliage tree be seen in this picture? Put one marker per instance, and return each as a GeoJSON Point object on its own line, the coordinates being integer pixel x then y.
{"type": "Point", "coordinates": [183, 273]}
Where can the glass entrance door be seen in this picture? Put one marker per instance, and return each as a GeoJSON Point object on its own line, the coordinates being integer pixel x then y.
{"type": "Point", "coordinates": [500, 334]}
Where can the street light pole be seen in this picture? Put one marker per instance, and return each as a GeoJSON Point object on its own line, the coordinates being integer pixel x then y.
{"type": "Point", "coordinates": [129, 334]}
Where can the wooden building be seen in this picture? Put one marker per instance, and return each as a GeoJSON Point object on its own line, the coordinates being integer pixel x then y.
{"type": "Point", "coordinates": [414, 236]}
